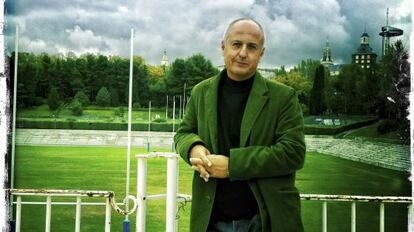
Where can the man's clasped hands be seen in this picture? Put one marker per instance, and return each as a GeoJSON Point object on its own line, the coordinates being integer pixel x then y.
{"type": "Point", "coordinates": [208, 165]}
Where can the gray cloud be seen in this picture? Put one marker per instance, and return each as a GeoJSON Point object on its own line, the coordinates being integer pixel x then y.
{"type": "Point", "coordinates": [295, 30]}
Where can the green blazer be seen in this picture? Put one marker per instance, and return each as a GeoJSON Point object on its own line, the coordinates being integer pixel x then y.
{"type": "Point", "coordinates": [272, 148]}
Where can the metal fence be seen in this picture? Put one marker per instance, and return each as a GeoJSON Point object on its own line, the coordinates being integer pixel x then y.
{"type": "Point", "coordinates": [79, 194]}
{"type": "Point", "coordinates": [172, 197]}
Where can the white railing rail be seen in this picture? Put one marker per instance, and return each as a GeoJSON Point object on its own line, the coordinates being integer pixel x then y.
{"type": "Point", "coordinates": [171, 196]}
{"type": "Point", "coordinates": [354, 199]}
{"type": "Point", "coordinates": [79, 194]}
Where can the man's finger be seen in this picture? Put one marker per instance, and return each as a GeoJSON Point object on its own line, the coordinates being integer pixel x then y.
{"type": "Point", "coordinates": [196, 161]}
{"type": "Point", "coordinates": [203, 173]}
{"type": "Point", "coordinates": [205, 160]}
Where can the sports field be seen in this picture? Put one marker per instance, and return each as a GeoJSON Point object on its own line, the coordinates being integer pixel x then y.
{"type": "Point", "coordinates": [103, 168]}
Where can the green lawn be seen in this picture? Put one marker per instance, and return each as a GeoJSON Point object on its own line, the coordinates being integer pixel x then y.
{"type": "Point", "coordinates": [92, 114]}
{"type": "Point", "coordinates": [103, 168]}
{"type": "Point", "coordinates": [370, 132]}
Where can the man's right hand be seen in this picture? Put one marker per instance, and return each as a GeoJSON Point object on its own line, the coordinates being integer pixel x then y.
{"type": "Point", "coordinates": [199, 160]}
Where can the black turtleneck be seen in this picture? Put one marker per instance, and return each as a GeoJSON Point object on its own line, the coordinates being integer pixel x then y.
{"type": "Point", "coordinates": [234, 200]}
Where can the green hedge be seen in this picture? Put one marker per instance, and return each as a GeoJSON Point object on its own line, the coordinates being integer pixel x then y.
{"type": "Point", "coordinates": [92, 125]}
{"type": "Point", "coordinates": [333, 130]}
{"type": "Point", "coordinates": [71, 124]}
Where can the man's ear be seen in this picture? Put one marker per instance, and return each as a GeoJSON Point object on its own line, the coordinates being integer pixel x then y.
{"type": "Point", "coordinates": [262, 53]}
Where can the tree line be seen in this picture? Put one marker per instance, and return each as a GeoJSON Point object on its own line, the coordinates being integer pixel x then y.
{"type": "Point", "coordinates": [102, 80]}
{"type": "Point", "coordinates": [381, 91]}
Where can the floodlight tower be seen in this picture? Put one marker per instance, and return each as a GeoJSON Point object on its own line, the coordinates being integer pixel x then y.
{"type": "Point", "coordinates": [387, 32]}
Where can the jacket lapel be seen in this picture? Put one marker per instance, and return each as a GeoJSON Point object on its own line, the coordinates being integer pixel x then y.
{"type": "Point", "coordinates": [257, 99]}
{"type": "Point", "coordinates": [211, 106]}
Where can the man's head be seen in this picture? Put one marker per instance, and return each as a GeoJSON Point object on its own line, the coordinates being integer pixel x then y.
{"type": "Point", "coordinates": [243, 46]}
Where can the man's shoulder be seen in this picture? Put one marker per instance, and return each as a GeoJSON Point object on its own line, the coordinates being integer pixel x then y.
{"type": "Point", "coordinates": [204, 84]}
{"type": "Point", "coordinates": [277, 87]}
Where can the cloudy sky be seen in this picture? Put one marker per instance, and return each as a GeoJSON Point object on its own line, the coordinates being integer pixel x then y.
{"type": "Point", "coordinates": [295, 29]}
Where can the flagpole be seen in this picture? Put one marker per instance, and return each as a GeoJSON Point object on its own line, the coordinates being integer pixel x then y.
{"type": "Point", "coordinates": [126, 222]}
{"type": "Point", "coordinates": [13, 147]}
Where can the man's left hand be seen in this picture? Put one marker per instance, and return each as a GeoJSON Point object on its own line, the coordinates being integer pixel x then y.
{"type": "Point", "coordinates": [219, 167]}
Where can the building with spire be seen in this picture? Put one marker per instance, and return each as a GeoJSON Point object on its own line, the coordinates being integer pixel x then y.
{"type": "Point", "coordinates": [164, 61]}
{"type": "Point", "coordinates": [327, 61]}
{"type": "Point", "coordinates": [327, 55]}
{"type": "Point", "coordinates": [365, 57]}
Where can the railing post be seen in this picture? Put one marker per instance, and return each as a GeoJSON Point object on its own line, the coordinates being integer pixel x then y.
{"type": "Point", "coordinates": [410, 217]}
{"type": "Point", "coordinates": [108, 215]}
{"type": "Point", "coordinates": [353, 217]}
{"type": "Point", "coordinates": [141, 193]}
{"type": "Point", "coordinates": [18, 213]}
{"type": "Point", "coordinates": [48, 213]}
{"type": "Point", "coordinates": [78, 214]}
{"type": "Point", "coordinates": [382, 217]}
{"type": "Point", "coordinates": [325, 216]}
{"type": "Point", "coordinates": [171, 214]}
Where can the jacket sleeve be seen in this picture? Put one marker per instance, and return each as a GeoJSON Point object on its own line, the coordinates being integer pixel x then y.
{"type": "Point", "coordinates": [285, 156]}
{"type": "Point", "coordinates": [186, 136]}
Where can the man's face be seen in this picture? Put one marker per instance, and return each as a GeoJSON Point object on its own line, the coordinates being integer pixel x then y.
{"type": "Point", "coordinates": [242, 49]}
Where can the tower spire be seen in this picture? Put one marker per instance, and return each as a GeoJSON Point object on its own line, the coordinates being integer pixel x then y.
{"type": "Point", "coordinates": [387, 18]}
{"type": "Point", "coordinates": [327, 56]}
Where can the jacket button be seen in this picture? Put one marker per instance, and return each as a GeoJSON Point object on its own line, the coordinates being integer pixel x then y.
{"type": "Point", "coordinates": [208, 198]}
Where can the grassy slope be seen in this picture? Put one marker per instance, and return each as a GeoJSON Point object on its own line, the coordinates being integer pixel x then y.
{"type": "Point", "coordinates": [370, 132]}
{"type": "Point", "coordinates": [95, 168]}
{"type": "Point", "coordinates": [98, 114]}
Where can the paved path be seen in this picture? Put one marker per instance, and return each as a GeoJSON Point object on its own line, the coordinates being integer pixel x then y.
{"type": "Point", "coordinates": [386, 155]}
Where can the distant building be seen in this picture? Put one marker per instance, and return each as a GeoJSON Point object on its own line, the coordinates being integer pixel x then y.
{"type": "Point", "coordinates": [365, 57]}
{"type": "Point", "coordinates": [164, 60]}
{"type": "Point", "coordinates": [327, 55]}
{"type": "Point", "coordinates": [327, 61]}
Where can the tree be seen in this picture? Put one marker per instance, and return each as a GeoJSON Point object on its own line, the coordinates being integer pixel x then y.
{"type": "Point", "coordinates": [82, 98]}
{"type": "Point", "coordinates": [317, 95]}
{"type": "Point", "coordinates": [103, 98]}
{"type": "Point", "coordinates": [76, 107]}
{"type": "Point", "coordinates": [395, 70]}
{"type": "Point", "coordinates": [188, 71]}
{"type": "Point", "coordinates": [53, 99]}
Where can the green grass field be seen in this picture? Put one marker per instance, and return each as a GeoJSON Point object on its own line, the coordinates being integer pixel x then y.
{"type": "Point", "coordinates": [92, 114]}
{"type": "Point", "coordinates": [103, 168]}
{"type": "Point", "coordinates": [371, 133]}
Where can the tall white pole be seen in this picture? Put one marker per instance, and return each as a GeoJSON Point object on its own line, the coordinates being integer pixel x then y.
{"type": "Point", "coordinates": [171, 203]}
{"type": "Point", "coordinates": [184, 99]}
{"type": "Point", "coordinates": [173, 129]}
{"type": "Point", "coordinates": [174, 114]}
{"type": "Point", "coordinates": [129, 120]}
{"type": "Point", "coordinates": [149, 127]}
{"type": "Point", "coordinates": [179, 114]}
{"type": "Point", "coordinates": [13, 147]}
{"type": "Point", "coordinates": [141, 194]}
{"type": "Point", "coordinates": [166, 110]}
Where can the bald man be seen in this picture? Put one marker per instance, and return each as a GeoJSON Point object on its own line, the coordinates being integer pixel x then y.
{"type": "Point", "coordinates": [243, 136]}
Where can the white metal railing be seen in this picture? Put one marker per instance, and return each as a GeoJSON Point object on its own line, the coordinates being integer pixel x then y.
{"type": "Point", "coordinates": [354, 199]}
{"type": "Point", "coordinates": [171, 196]}
{"type": "Point", "coordinates": [79, 194]}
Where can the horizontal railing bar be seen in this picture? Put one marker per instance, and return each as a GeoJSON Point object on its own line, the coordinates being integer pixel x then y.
{"type": "Point", "coordinates": [67, 193]}
{"type": "Point", "coordinates": [63, 203]}
{"type": "Point", "coordinates": [157, 154]}
{"type": "Point", "coordinates": [390, 199]}
{"type": "Point", "coordinates": [324, 197]}
{"type": "Point", "coordinates": [315, 197]}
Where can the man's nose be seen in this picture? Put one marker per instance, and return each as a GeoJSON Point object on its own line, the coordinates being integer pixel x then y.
{"type": "Point", "coordinates": [243, 52]}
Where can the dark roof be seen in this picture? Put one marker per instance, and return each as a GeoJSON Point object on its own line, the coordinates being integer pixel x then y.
{"type": "Point", "coordinates": [364, 48]}
{"type": "Point", "coordinates": [365, 35]}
